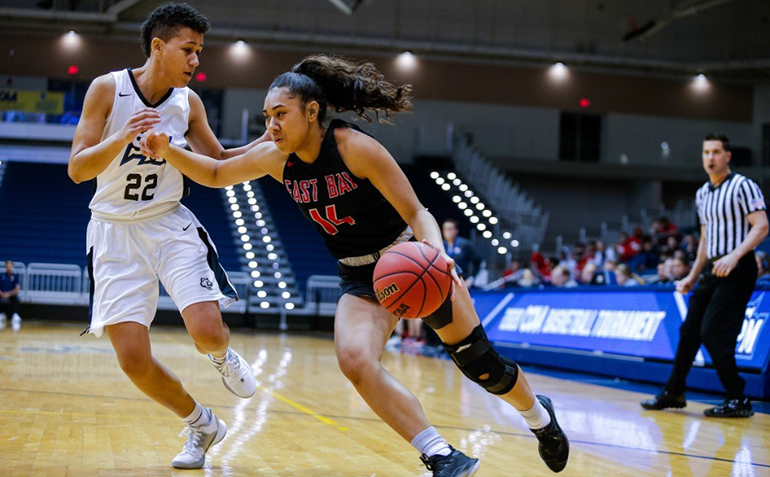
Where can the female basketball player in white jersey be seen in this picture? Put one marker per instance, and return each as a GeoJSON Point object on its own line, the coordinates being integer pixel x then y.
{"type": "Point", "coordinates": [351, 188]}
{"type": "Point", "coordinates": [140, 232]}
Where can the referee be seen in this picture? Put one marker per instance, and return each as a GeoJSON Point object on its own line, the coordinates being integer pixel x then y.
{"type": "Point", "coordinates": [733, 221]}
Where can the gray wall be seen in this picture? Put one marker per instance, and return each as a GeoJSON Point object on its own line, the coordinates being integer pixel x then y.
{"type": "Point", "coordinates": [640, 138]}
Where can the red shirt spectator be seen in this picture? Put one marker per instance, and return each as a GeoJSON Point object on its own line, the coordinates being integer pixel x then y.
{"type": "Point", "coordinates": [542, 264]}
{"type": "Point", "coordinates": [627, 246]}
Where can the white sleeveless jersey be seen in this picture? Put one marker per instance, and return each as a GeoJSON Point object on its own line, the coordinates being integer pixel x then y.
{"type": "Point", "coordinates": [134, 186]}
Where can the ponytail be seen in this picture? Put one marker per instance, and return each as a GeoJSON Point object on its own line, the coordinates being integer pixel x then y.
{"type": "Point", "coordinates": [344, 85]}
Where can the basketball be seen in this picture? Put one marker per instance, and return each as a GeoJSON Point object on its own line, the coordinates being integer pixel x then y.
{"type": "Point", "coordinates": [412, 280]}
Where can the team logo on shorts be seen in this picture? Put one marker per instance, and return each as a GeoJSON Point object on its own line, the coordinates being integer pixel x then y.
{"type": "Point", "coordinates": [206, 283]}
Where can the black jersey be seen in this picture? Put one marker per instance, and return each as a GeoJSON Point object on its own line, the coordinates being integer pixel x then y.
{"type": "Point", "coordinates": [351, 214]}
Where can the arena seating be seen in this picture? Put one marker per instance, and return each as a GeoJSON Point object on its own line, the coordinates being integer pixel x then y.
{"type": "Point", "coordinates": [59, 235]}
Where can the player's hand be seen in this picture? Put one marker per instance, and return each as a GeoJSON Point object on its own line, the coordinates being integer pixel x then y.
{"type": "Point", "coordinates": [264, 138]}
{"type": "Point", "coordinates": [725, 265]}
{"type": "Point", "coordinates": [154, 144]}
{"type": "Point", "coordinates": [142, 120]}
{"type": "Point", "coordinates": [456, 281]}
{"type": "Point", "coordinates": [684, 285]}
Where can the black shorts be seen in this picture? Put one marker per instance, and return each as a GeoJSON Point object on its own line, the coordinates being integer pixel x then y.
{"type": "Point", "coordinates": [359, 281]}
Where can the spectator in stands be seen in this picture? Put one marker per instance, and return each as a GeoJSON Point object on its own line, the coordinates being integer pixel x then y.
{"type": "Point", "coordinates": [528, 279]}
{"type": "Point", "coordinates": [461, 250]}
{"type": "Point", "coordinates": [646, 259]}
{"type": "Point", "coordinates": [581, 257]}
{"type": "Point", "coordinates": [9, 295]}
{"type": "Point", "coordinates": [662, 278]}
{"type": "Point", "coordinates": [562, 278]}
{"type": "Point", "coordinates": [626, 247]}
{"type": "Point", "coordinates": [690, 246]}
{"type": "Point", "coordinates": [567, 261]}
{"type": "Point", "coordinates": [588, 274]}
{"type": "Point", "coordinates": [603, 253]}
{"type": "Point", "coordinates": [514, 266]}
{"type": "Point", "coordinates": [680, 268]}
{"type": "Point", "coordinates": [626, 278]}
{"type": "Point", "coordinates": [670, 245]}
{"type": "Point", "coordinates": [661, 229]}
{"type": "Point", "coordinates": [540, 263]}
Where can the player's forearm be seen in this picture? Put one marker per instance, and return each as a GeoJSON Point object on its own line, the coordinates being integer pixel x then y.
{"type": "Point", "coordinates": [237, 151]}
{"type": "Point", "coordinates": [425, 227]}
{"type": "Point", "coordinates": [92, 161]}
{"type": "Point", "coordinates": [199, 168]}
{"type": "Point", "coordinates": [755, 236]}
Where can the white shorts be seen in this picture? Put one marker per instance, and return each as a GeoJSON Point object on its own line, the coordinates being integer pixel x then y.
{"type": "Point", "coordinates": [125, 260]}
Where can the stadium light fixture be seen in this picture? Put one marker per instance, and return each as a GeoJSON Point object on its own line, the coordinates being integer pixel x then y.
{"type": "Point", "coordinates": [558, 71]}
{"type": "Point", "coordinates": [406, 60]}
{"type": "Point", "coordinates": [348, 7]}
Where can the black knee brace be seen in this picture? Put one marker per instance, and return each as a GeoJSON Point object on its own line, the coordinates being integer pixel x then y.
{"type": "Point", "coordinates": [476, 357]}
{"type": "Point", "coordinates": [441, 317]}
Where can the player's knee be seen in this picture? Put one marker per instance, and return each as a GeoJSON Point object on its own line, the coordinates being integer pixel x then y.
{"type": "Point", "coordinates": [208, 334]}
{"type": "Point", "coordinates": [135, 364]}
{"type": "Point", "coordinates": [480, 363]}
{"type": "Point", "coordinates": [356, 363]}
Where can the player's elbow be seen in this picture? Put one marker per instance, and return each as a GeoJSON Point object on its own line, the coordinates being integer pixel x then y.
{"type": "Point", "coordinates": [75, 174]}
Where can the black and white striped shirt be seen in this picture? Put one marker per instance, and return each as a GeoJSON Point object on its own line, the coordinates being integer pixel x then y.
{"type": "Point", "coordinates": [723, 211]}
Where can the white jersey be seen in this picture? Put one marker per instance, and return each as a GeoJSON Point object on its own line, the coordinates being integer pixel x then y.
{"type": "Point", "coordinates": [135, 186]}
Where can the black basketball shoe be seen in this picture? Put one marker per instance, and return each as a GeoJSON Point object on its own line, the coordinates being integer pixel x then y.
{"type": "Point", "coordinates": [664, 400]}
{"type": "Point", "coordinates": [731, 408]}
{"type": "Point", "coordinates": [554, 445]}
{"type": "Point", "coordinates": [455, 464]}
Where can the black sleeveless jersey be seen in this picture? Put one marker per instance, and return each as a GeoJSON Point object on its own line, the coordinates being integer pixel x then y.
{"type": "Point", "coordinates": [350, 213]}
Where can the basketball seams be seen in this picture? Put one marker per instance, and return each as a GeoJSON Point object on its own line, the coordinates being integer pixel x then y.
{"type": "Point", "coordinates": [419, 277]}
{"type": "Point", "coordinates": [432, 262]}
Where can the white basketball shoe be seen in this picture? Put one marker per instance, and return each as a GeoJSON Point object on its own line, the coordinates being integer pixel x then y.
{"type": "Point", "coordinates": [237, 375]}
{"type": "Point", "coordinates": [199, 439]}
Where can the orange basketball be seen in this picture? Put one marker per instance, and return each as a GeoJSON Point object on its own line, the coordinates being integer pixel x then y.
{"type": "Point", "coordinates": [412, 280]}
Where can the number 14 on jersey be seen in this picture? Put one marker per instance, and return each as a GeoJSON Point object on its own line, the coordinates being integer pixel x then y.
{"type": "Point", "coordinates": [330, 222]}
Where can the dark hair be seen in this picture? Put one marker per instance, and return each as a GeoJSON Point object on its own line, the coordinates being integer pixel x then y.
{"type": "Point", "coordinates": [165, 21]}
{"type": "Point", "coordinates": [345, 85]}
{"type": "Point", "coordinates": [451, 221]}
{"type": "Point", "coordinates": [682, 260]}
{"type": "Point", "coordinates": [720, 137]}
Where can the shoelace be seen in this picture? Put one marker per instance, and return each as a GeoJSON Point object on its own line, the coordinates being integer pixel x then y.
{"type": "Point", "coordinates": [231, 365]}
{"type": "Point", "coordinates": [193, 437]}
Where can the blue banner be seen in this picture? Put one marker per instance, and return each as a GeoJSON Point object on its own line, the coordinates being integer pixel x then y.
{"type": "Point", "coordinates": [641, 322]}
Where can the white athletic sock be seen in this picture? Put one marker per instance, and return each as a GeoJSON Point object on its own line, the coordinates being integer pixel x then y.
{"type": "Point", "coordinates": [430, 443]}
{"type": "Point", "coordinates": [537, 417]}
{"type": "Point", "coordinates": [219, 361]}
{"type": "Point", "coordinates": [200, 417]}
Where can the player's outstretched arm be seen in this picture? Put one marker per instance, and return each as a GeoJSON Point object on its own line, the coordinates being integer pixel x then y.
{"type": "Point", "coordinates": [202, 139]}
{"type": "Point", "coordinates": [264, 159]}
{"type": "Point", "coordinates": [90, 155]}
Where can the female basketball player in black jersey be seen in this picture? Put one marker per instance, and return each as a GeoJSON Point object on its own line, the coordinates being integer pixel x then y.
{"type": "Point", "coordinates": [358, 198]}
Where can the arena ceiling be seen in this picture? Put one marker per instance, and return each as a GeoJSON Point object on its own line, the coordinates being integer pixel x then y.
{"type": "Point", "coordinates": [721, 38]}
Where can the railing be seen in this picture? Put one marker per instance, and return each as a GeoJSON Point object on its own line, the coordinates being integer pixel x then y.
{"type": "Point", "coordinates": [53, 284]}
{"type": "Point", "coordinates": [64, 284]}
{"type": "Point", "coordinates": [323, 292]}
{"type": "Point", "coordinates": [517, 212]}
